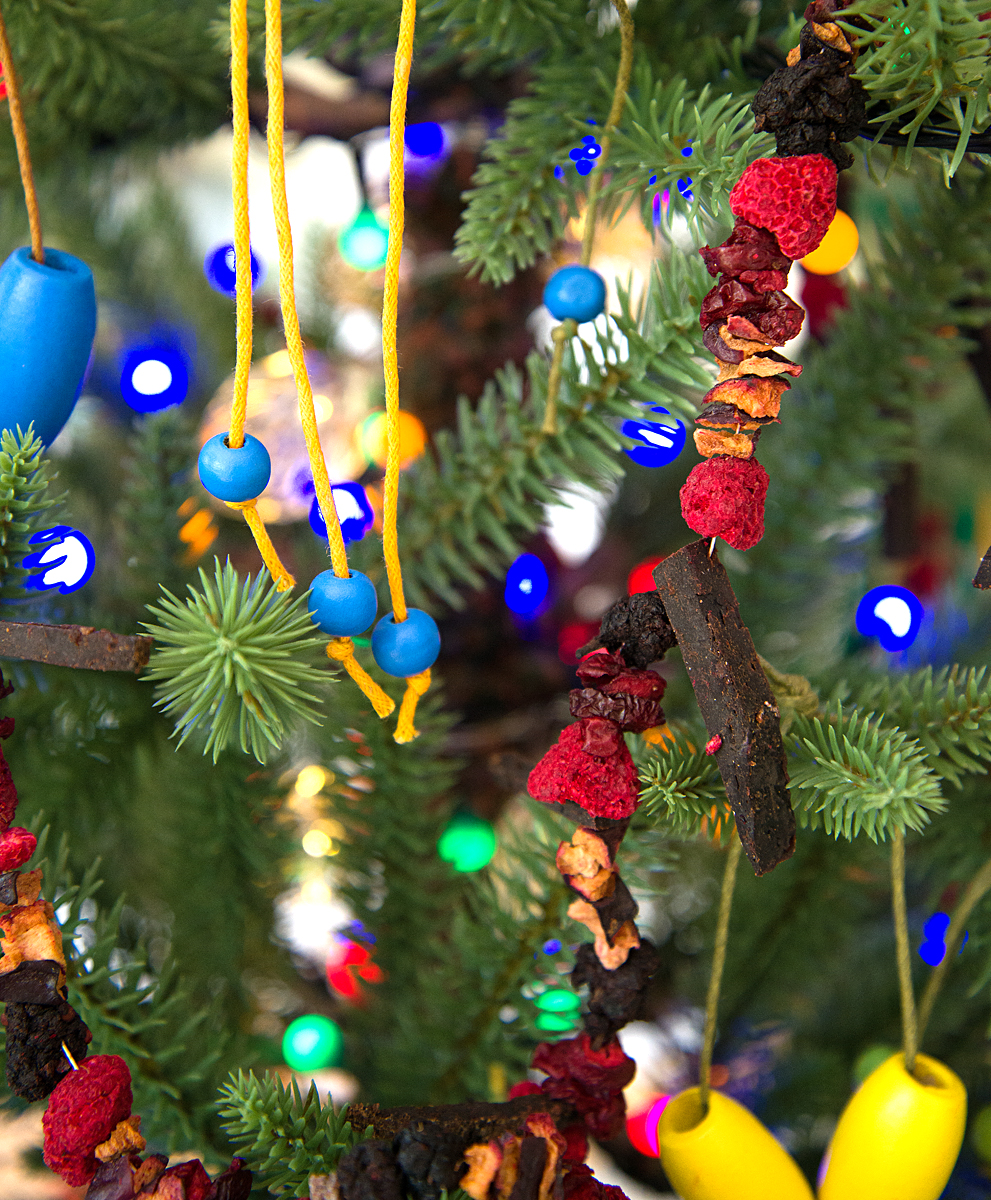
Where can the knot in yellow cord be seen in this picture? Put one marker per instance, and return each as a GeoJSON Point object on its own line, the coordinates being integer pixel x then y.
{"type": "Point", "coordinates": [342, 650]}
{"type": "Point", "coordinates": [249, 510]}
{"type": "Point", "coordinates": [416, 686]}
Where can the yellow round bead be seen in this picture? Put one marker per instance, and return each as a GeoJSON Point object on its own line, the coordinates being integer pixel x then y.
{"type": "Point", "coordinates": [836, 250]}
{"type": "Point", "coordinates": [899, 1135]}
{"type": "Point", "coordinates": [725, 1155]}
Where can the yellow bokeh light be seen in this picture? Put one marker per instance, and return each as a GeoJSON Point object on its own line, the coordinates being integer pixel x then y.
{"type": "Point", "coordinates": [277, 365]}
{"type": "Point", "coordinates": [323, 407]}
{"type": "Point", "coordinates": [311, 780]}
{"type": "Point", "coordinates": [836, 250]}
{"type": "Point", "coordinates": [316, 843]}
{"type": "Point", "coordinates": [373, 433]}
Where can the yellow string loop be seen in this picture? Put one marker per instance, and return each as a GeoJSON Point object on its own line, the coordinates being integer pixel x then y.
{"type": "Point", "coordinates": [270, 556]}
{"type": "Point", "coordinates": [242, 230]}
{"type": "Point", "coordinates": [342, 650]}
{"type": "Point", "coordinates": [390, 304]}
{"type": "Point", "coordinates": [287, 292]}
{"type": "Point", "coordinates": [416, 686]}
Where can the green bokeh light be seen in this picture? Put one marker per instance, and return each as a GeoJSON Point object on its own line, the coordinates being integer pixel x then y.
{"type": "Point", "coordinates": [364, 243]}
{"type": "Point", "coordinates": [555, 1023]}
{"type": "Point", "coordinates": [312, 1043]}
{"type": "Point", "coordinates": [980, 1133]}
{"type": "Point", "coordinates": [558, 1000]}
{"type": "Point", "coordinates": [468, 842]}
{"type": "Point", "coordinates": [870, 1059]}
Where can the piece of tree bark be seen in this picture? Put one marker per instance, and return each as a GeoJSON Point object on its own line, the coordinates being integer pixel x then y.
{"type": "Point", "coordinates": [734, 698]}
{"type": "Point", "coordinates": [982, 579]}
{"type": "Point", "coordinates": [473, 1121]}
{"type": "Point", "coordinates": [74, 646]}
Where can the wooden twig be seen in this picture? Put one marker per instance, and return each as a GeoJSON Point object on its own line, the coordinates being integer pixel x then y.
{"type": "Point", "coordinates": [472, 1122]}
{"type": "Point", "coordinates": [74, 646]}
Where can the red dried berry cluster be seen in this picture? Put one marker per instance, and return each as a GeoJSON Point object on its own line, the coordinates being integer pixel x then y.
{"type": "Point", "coordinates": [82, 1112]}
{"type": "Point", "coordinates": [724, 497]}
{"type": "Point", "coordinates": [16, 844]}
{"type": "Point", "coordinates": [795, 198]}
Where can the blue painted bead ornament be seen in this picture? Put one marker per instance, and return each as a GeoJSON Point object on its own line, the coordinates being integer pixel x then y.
{"type": "Point", "coordinates": [575, 292]}
{"type": "Point", "coordinates": [342, 607]}
{"type": "Point", "coordinates": [407, 647]}
{"type": "Point", "coordinates": [47, 324]}
{"type": "Point", "coordinates": [234, 474]}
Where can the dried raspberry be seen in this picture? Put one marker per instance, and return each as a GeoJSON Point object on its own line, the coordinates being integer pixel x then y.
{"type": "Point", "coordinates": [16, 847]}
{"type": "Point", "coordinates": [192, 1180]}
{"type": "Point", "coordinates": [605, 1070]}
{"type": "Point", "coordinates": [82, 1113]}
{"type": "Point", "coordinates": [748, 250]}
{"type": "Point", "coordinates": [724, 497]}
{"type": "Point", "coordinates": [524, 1088]}
{"type": "Point", "coordinates": [602, 787]}
{"type": "Point", "coordinates": [795, 198]}
{"type": "Point", "coordinates": [580, 1184]}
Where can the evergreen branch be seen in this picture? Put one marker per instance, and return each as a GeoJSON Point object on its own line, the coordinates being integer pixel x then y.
{"type": "Point", "coordinates": [237, 656]}
{"type": "Point", "coordinates": [949, 713]}
{"type": "Point", "coordinates": [854, 774]}
{"type": "Point", "coordinates": [680, 787]}
{"type": "Point", "coordinates": [517, 208]}
{"type": "Point", "coordinates": [470, 504]}
{"type": "Point", "coordinates": [25, 476]}
{"type": "Point", "coordinates": [923, 63]}
{"type": "Point", "coordinates": [284, 1136]}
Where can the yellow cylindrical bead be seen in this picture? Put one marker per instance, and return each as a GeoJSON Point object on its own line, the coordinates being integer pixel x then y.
{"type": "Point", "coordinates": [725, 1155]}
{"type": "Point", "coordinates": [899, 1136]}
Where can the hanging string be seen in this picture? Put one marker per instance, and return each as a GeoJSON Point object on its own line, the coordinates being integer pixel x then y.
{"type": "Point", "coordinates": [978, 887]}
{"type": "Point", "coordinates": [342, 650]}
{"type": "Point", "coordinates": [242, 267]}
{"type": "Point", "coordinates": [390, 303]}
{"type": "Point", "coordinates": [21, 142]}
{"type": "Point", "coordinates": [287, 289]}
{"type": "Point", "coordinates": [716, 974]}
{"type": "Point", "coordinates": [910, 1036]}
{"type": "Point", "coordinates": [416, 686]}
{"type": "Point", "coordinates": [567, 329]}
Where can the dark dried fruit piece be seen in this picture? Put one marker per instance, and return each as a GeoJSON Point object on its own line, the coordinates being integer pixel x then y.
{"type": "Point", "coordinates": [431, 1159]}
{"type": "Point", "coordinates": [637, 629]}
{"type": "Point", "coordinates": [614, 997]}
{"type": "Point", "coordinates": [32, 982]}
{"type": "Point", "coordinates": [813, 106]}
{"type": "Point", "coordinates": [747, 249]}
{"type": "Point", "coordinates": [369, 1171]}
{"type": "Point", "coordinates": [36, 1062]}
{"type": "Point", "coordinates": [235, 1183]}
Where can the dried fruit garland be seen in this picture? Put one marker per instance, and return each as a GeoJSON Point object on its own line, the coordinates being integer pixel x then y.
{"type": "Point", "coordinates": [783, 206]}
{"type": "Point", "coordinates": [91, 1135]}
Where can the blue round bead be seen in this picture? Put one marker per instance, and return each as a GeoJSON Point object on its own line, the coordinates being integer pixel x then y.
{"type": "Point", "coordinates": [575, 292]}
{"type": "Point", "coordinates": [408, 647]}
{"type": "Point", "coordinates": [234, 474]}
{"type": "Point", "coordinates": [342, 607]}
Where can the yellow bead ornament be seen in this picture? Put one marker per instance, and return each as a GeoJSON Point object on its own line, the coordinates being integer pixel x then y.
{"type": "Point", "coordinates": [899, 1135]}
{"type": "Point", "coordinates": [836, 250]}
{"type": "Point", "coordinates": [725, 1155]}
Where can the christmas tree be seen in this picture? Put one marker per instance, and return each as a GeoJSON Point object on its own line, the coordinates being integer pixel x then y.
{"type": "Point", "coordinates": [180, 734]}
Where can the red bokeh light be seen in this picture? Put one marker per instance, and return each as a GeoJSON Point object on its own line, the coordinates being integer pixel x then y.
{"type": "Point", "coordinates": [347, 963]}
{"type": "Point", "coordinates": [641, 1128]}
{"type": "Point", "coordinates": [573, 637]}
{"type": "Point", "coordinates": [641, 578]}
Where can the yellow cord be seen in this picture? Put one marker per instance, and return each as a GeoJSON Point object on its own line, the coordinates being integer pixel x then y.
{"type": "Point", "coordinates": [416, 686]}
{"type": "Point", "coordinates": [242, 231]}
{"type": "Point", "coordinates": [287, 291]}
{"type": "Point", "coordinates": [342, 650]}
{"type": "Point", "coordinates": [390, 304]}
{"type": "Point", "coordinates": [21, 142]}
{"type": "Point", "coordinates": [283, 580]}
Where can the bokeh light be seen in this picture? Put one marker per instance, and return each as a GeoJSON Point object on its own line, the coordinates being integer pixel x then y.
{"type": "Point", "coordinates": [311, 780]}
{"type": "Point", "coordinates": [220, 269]}
{"type": "Point", "coordinates": [641, 578]}
{"type": "Point", "coordinates": [836, 250]}
{"type": "Point", "coordinates": [353, 511]}
{"type": "Point", "coordinates": [527, 584]}
{"type": "Point", "coordinates": [892, 614]}
{"type": "Point", "coordinates": [558, 1000]}
{"type": "Point", "coordinates": [425, 139]}
{"type": "Point", "coordinates": [374, 438]}
{"type": "Point", "coordinates": [153, 377]}
{"type": "Point", "coordinates": [312, 1043]}
{"type": "Point", "coordinates": [364, 243]}
{"type": "Point", "coordinates": [468, 842]}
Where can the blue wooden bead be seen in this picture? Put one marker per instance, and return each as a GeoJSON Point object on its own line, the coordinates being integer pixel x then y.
{"type": "Point", "coordinates": [575, 292]}
{"type": "Point", "coordinates": [235, 474]}
{"type": "Point", "coordinates": [47, 323]}
{"type": "Point", "coordinates": [407, 647]}
{"type": "Point", "coordinates": [342, 607]}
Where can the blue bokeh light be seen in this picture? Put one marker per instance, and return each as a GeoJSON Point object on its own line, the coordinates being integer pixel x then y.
{"type": "Point", "coordinates": [154, 376]}
{"type": "Point", "coordinates": [660, 442]}
{"type": "Point", "coordinates": [527, 584]}
{"type": "Point", "coordinates": [425, 139]}
{"type": "Point", "coordinates": [219, 268]}
{"type": "Point", "coordinates": [892, 614]}
{"type": "Point", "coordinates": [65, 559]}
{"type": "Point", "coordinates": [353, 511]}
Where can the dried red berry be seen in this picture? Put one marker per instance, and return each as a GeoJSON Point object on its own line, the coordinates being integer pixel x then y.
{"type": "Point", "coordinates": [602, 787]}
{"type": "Point", "coordinates": [724, 497]}
{"type": "Point", "coordinates": [580, 1184]}
{"type": "Point", "coordinates": [748, 250]}
{"type": "Point", "coordinates": [795, 198]}
{"type": "Point", "coordinates": [608, 1069]}
{"type": "Point", "coordinates": [16, 847]}
{"type": "Point", "coordinates": [195, 1183]}
{"type": "Point", "coordinates": [82, 1113]}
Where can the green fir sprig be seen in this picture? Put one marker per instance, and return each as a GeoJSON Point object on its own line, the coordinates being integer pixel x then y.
{"type": "Point", "coordinates": [237, 661]}
{"type": "Point", "coordinates": [680, 788]}
{"type": "Point", "coordinates": [854, 775]}
{"type": "Point", "coordinates": [285, 1136]}
{"type": "Point", "coordinates": [25, 476]}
